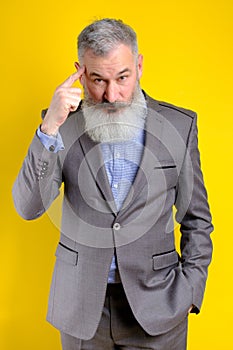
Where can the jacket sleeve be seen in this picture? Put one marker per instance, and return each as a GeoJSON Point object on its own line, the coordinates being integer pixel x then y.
{"type": "Point", "coordinates": [38, 181]}
{"type": "Point", "coordinates": [194, 217]}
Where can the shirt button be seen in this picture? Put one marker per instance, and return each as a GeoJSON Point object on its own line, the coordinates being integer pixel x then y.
{"type": "Point", "coordinates": [115, 185]}
{"type": "Point", "coordinates": [118, 155]}
{"type": "Point", "coordinates": [52, 148]}
{"type": "Point", "coordinates": [116, 226]}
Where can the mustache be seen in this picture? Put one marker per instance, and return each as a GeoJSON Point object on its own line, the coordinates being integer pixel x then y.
{"type": "Point", "coordinates": [110, 106]}
{"type": "Point", "coordinates": [113, 105]}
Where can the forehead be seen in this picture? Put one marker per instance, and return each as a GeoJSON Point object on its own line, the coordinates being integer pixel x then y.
{"type": "Point", "coordinates": [116, 60]}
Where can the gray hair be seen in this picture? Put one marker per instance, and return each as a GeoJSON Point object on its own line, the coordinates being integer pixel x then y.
{"type": "Point", "coordinates": [104, 35]}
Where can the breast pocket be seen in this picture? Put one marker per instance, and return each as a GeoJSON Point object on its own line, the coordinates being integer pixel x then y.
{"type": "Point", "coordinates": [166, 173]}
{"type": "Point", "coordinates": [168, 166]}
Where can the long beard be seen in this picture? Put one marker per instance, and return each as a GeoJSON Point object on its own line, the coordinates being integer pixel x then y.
{"type": "Point", "coordinates": [114, 122]}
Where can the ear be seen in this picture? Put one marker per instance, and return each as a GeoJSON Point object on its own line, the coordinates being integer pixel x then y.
{"type": "Point", "coordinates": [78, 66]}
{"type": "Point", "coordinates": [140, 65]}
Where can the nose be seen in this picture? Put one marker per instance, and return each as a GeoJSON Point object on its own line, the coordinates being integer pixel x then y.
{"type": "Point", "coordinates": [111, 93]}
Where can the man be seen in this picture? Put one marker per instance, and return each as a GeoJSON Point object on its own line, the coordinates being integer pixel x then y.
{"type": "Point", "coordinates": [126, 161]}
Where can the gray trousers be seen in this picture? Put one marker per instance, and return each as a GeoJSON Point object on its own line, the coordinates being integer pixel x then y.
{"type": "Point", "coordinates": [118, 329]}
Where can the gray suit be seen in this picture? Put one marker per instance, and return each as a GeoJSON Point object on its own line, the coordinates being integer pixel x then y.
{"type": "Point", "coordinates": [160, 286]}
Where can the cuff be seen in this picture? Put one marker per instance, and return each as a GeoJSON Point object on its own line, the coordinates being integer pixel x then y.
{"type": "Point", "coordinates": [51, 143]}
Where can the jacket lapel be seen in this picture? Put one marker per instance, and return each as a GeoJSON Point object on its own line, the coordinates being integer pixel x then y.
{"type": "Point", "coordinates": [93, 156]}
{"type": "Point", "coordinates": [153, 134]}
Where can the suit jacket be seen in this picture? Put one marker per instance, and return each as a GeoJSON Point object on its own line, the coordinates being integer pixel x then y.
{"type": "Point", "coordinates": [160, 285]}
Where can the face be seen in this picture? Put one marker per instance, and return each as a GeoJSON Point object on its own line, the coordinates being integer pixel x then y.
{"type": "Point", "coordinates": [112, 78]}
{"type": "Point", "coordinates": [114, 105]}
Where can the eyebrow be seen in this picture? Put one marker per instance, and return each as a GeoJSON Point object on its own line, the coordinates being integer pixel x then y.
{"type": "Point", "coordinates": [125, 70]}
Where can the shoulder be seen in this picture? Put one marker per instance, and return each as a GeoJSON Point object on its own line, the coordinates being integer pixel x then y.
{"type": "Point", "coordinates": [179, 118]}
{"type": "Point", "coordinates": [168, 109]}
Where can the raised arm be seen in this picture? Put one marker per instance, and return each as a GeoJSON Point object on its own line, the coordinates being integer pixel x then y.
{"type": "Point", "coordinates": [40, 177]}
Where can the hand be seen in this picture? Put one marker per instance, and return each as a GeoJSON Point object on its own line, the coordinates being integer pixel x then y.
{"type": "Point", "coordinates": [190, 309]}
{"type": "Point", "coordinates": [66, 99]}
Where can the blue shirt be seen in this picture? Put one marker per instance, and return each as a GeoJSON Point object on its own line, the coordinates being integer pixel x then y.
{"type": "Point", "coordinates": [121, 160]}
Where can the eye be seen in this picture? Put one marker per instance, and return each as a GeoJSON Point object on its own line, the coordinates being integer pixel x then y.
{"type": "Point", "coordinates": [122, 78]}
{"type": "Point", "coordinates": [98, 81]}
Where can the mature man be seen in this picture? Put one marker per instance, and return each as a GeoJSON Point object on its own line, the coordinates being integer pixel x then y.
{"type": "Point", "coordinates": [126, 161]}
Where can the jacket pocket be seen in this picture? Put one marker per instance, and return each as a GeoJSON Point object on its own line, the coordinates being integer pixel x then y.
{"type": "Point", "coordinates": [66, 254]}
{"type": "Point", "coordinates": [170, 166]}
{"type": "Point", "coordinates": [165, 174]}
{"type": "Point", "coordinates": [165, 260]}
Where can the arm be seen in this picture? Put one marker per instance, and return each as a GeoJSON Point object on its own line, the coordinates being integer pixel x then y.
{"type": "Point", "coordinates": [38, 182]}
{"type": "Point", "coordinates": [40, 177]}
{"type": "Point", "coordinates": [195, 220]}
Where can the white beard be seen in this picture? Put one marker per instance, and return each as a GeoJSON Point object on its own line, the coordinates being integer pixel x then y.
{"type": "Point", "coordinates": [114, 122]}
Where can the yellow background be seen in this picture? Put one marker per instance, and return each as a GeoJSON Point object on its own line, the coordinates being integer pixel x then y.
{"type": "Point", "coordinates": [187, 47]}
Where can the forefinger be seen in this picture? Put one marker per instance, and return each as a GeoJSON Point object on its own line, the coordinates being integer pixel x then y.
{"type": "Point", "coordinates": [73, 78]}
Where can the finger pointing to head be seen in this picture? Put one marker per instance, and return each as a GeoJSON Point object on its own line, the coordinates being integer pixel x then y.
{"type": "Point", "coordinates": [73, 78]}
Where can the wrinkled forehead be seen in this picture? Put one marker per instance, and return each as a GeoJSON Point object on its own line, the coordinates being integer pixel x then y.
{"type": "Point", "coordinates": [107, 51]}
{"type": "Point", "coordinates": [116, 60]}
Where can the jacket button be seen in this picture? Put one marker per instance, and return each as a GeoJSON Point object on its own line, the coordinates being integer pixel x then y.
{"type": "Point", "coordinates": [52, 148]}
{"type": "Point", "coordinates": [116, 226]}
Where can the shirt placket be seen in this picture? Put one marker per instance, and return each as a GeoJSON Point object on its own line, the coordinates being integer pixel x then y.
{"type": "Point", "coordinates": [117, 173]}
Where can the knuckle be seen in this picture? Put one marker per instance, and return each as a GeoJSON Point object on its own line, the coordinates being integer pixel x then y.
{"type": "Point", "coordinates": [61, 94]}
